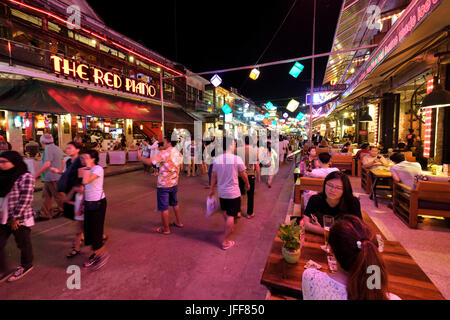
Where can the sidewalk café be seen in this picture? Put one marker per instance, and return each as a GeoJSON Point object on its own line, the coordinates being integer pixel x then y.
{"type": "Point", "coordinates": [399, 94]}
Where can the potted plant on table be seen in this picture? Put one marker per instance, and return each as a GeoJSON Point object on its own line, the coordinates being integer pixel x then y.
{"type": "Point", "coordinates": [290, 236]}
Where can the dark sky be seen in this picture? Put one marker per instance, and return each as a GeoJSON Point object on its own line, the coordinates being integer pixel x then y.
{"type": "Point", "coordinates": [210, 35]}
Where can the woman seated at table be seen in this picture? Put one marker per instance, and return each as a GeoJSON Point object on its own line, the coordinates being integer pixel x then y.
{"type": "Point", "coordinates": [311, 159]}
{"type": "Point", "coordinates": [335, 200]}
{"type": "Point", "coordinates": [355, 247]}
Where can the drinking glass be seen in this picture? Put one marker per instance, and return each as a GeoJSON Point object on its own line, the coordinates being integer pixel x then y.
{"type": "Point", "coordinates": [328, 222]}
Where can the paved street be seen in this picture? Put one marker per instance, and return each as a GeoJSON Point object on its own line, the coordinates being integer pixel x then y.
{"type": "Point", "coordinates": [188, 264]}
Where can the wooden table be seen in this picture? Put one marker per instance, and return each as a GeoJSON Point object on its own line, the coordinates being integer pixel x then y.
{"type": "Point", "coordinates": [406, 278]}
{"type": "Point", "coordinates": [377, 175]}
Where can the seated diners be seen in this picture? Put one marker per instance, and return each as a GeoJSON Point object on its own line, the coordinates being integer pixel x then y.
{"type": "Point", "coordinates": [404, 171]}
{"type": "Point", "coordinates": [335, 200]}
{"type": "Point", "coordinates": [356, 250]}
{"type": "Point", "coordinates": [323, 168]}
{"type": "Point", "coordinates": [374, 161]}
{"type": "Point", "coordinates": [363, 152]}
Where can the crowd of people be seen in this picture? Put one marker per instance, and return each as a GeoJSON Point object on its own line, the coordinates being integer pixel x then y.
{"type": "Point", "coordinates": [351, 241]}
{"type": "Point", "coordinates": [76, 185]}
{"type": "Point", "coordinates": [73, 181]}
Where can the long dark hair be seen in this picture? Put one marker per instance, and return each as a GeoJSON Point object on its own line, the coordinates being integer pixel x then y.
{"type": "Point", "coordinates": [347, 196]}
{"type": "Point", "coordinates": [9, 177]}
{"type": "Point", "coordinates": [344, 237]}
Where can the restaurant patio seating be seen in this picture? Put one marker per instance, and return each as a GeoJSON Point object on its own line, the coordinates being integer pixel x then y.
{"type": "Point", "coordinates": [429, 198]}
{"type": "Point", "coordinates": [343, 162]}
{"type": "Point", "coordinates": [306, 183]}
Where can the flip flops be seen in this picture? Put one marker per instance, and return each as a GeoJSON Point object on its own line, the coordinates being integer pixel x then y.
{"type": "Point", "coordinates": [174, 224]}
{"type": "Point", "coordinates": [230, 244]}
{"type": "Point", "coordinates": [161, 230]}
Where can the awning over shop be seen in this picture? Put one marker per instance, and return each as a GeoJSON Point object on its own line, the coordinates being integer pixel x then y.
{"type": "Point", "coordinates": [38, 96]}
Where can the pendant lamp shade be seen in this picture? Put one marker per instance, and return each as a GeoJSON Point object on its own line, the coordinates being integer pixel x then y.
{"type": "Point", "coordinates": [437, 98]}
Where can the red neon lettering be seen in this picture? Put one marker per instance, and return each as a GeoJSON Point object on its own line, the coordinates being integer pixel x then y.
{"type": "Point", "coordinates": [109, 79]}
{"type": "Point", "coordinates": [130, 85]}
{"type": "Point", "coordinates": [69, 68]}
{"type": "Point", "coordinates": [140, 88]}
{"type": "Point", "coordinates": [427, 5]}
{"type": "Point", "coordinates": [56, 63]}
{"type": "Point", "coordinates": [151, 91]}
{"type": "Point", "coordinates": [117, 81]}
{"type": "Point", "coordinates": [81, 73]}
{"type": "Point", "coordinates": [98, 76]}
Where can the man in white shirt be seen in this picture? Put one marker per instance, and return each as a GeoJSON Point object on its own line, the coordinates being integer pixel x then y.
{"type": "Point", "coordinates": [374, 161]}
{"type": "Point", "coordinates": [227, 168]}
{"type": "Point", "coordinates": [324, 167]}
{"type": "Point", "coordinates": [404, 171]}
{"type": "Point", "coordinates": [321, 172]}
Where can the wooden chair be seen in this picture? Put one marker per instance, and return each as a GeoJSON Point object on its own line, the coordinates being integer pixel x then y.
{"type": "Point", "coordinates": [306, 183]}
{"type": "Point", "coordinates": [343, 162]}
{"type": "Point", "coordinates": [428, 198]}
{"type": "Point", "coordinates": [322, 150]}
{"type": "Point", "coordinates": [366, 180]}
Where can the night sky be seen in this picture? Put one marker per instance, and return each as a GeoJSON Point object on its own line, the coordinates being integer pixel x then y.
{"type": "Point", "coordinates": [211, 35]}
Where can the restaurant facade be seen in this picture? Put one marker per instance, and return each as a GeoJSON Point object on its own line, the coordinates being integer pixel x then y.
{"type": "Point", "coordinates": [65, 79]}
{"type": "Point", "coordinates": [404, 59]}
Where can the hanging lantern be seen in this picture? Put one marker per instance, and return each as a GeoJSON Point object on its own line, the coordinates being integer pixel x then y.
{"type": "Point", "coordinates": [296, 69]}
{"type": "Point", "coordinates": [293, 105]}
{"type": "Point", "coordinates": [216, 80]}
{"type": "Point", "coordinates": [254, 74]}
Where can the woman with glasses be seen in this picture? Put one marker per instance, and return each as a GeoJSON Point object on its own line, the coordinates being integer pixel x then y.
{"type": "Point", "coordinates": [335, 200]}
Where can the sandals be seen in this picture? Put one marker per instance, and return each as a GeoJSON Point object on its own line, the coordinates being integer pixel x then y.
{"type": "Point", "coordinates": [230, 244]}
{"type": "Point", "coordinates": [177, 225]}
{"type": "Point", "coordinates": [250, 216]}
{"type": "Point", "coordinates": [73, 253]}
{"type": "Point", "coordinates": [161, 230]}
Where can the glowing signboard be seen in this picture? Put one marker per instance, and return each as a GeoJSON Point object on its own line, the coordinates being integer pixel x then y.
{"type": "Point", "coordinates": [320, 97]}
{"type": "Point", "coordinates": [109, 79]}
{"type": "Point", "coordinates": [410, 20]}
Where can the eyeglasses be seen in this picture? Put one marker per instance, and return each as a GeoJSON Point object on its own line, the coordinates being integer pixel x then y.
{"type": "Point", "coordinates": [333, 186]}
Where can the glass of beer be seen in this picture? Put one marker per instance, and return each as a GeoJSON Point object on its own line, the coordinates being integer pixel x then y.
{"type": "Point", "coordinates": [328, 222]}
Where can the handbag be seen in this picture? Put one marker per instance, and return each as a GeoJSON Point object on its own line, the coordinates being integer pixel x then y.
{"type": "Point", "coordinates": [93, 205]}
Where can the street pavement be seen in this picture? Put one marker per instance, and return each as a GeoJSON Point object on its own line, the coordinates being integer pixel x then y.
{"type": "Point", "coordinates": [188, 264]}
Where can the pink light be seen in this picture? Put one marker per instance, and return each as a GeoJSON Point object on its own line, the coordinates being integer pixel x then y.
{"type": "Point", "coordinates": [96, 35]}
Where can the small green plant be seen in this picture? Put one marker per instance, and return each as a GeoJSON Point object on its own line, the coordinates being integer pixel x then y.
{"type": "Point", "coordinates": [290, 235]}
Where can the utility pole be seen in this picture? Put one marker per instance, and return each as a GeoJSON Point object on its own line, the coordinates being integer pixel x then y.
{"type": "Point", "coordinates": [312, 77]}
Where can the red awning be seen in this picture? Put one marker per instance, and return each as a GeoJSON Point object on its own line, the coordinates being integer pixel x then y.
{"type": "Point", "coordinates": [38, 96]}
{"type": "Point", "coordinates": [85, 102]}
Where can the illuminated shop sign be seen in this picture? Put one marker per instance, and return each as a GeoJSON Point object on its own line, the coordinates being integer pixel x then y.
{"type": "Point", "coordinates": [109, 79]}
{"type": "Point", "coordinates": [411, 19]}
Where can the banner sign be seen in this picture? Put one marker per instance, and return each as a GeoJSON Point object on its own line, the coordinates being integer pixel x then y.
{"type": "Point", "coordinates": [329, 88]}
